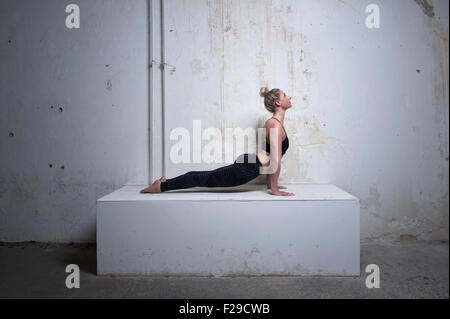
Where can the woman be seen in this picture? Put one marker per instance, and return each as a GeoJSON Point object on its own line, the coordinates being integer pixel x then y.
{"type": "Point", "coordinates": [242, 170]}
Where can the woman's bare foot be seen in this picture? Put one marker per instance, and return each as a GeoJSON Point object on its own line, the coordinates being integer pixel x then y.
{"type": "Point", "coordinates": [154, 188]}
{"type": "Point", "coordinates": [162, 179]}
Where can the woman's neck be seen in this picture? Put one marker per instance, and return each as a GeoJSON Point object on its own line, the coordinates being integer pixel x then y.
{"type": "Point", "coordinates": [279, 116]}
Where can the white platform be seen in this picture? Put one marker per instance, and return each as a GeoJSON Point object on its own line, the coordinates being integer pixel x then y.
{"type": "Point", "coordinates": [229, 231]}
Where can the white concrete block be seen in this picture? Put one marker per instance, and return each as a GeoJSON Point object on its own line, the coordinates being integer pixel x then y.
{"type": "Point", "coordinates": [229, 231]}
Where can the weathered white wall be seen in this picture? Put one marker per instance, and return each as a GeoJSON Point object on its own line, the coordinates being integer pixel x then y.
{"type": "Point", "coordinates": [363, 119]}
{"type": "Point", "coordinates": [370, 106]}
{"type": "Point", "coordinates": [100, 137]}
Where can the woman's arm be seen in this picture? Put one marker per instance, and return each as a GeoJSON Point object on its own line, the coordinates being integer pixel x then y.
{"type": "Point", "coordinates": [273, 178]}
{"type": "Point", "coordinates": [268, 181]}
{"type": "Point", "coordinates": [275, 140]}
{"type": "Point", "coordinates": [268, 178]}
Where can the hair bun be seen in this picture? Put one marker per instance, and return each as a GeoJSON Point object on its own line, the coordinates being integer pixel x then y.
{"type": "Point", "coordinates": [263, 92]}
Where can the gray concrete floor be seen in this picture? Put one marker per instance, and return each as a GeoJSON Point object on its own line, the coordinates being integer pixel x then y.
{"type": "Point", "coordinates": [407, 270]}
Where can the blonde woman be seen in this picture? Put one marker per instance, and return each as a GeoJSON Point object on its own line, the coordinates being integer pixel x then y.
{"type": "Point", "coordinates": [247, 166]}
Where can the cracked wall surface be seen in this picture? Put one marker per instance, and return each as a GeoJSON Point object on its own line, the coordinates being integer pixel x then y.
{"type": "Point", "coordinates": [74, 114]}
{"type": "Point", "coordinates": [370, 106]}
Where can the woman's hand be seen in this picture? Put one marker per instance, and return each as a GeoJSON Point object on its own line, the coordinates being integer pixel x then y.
{"type": "Point", "coordinates": [279, 187]}
{"type": "Point", "coordinates": [280, 193]}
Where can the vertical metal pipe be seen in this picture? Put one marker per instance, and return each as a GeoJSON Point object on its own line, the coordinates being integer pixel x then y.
{"type": "Point", "coordinates": [154, 153]}
{"type": "Point", "coordinates": [150, 89]}
{"type": "Point", "coordinates": [163, 95]}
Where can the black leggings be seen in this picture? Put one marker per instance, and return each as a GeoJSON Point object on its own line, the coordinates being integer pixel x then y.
{"type": "Point", "coordinates": [244, 169]}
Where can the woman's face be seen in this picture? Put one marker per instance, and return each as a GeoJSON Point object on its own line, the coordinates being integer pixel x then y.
{"type": "Point", "coordinates": [284, 101]}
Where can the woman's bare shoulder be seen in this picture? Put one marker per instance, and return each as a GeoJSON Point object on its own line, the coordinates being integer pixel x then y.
{"type": "Point", "coordinates": [272, 123]}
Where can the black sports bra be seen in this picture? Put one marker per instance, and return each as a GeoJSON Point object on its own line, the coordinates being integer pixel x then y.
{"type": "Point", "coordinates": [284, 145]}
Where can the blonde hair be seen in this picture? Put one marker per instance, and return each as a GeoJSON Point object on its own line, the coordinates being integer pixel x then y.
{"type": "Point", "coordinates": [269, 98]}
